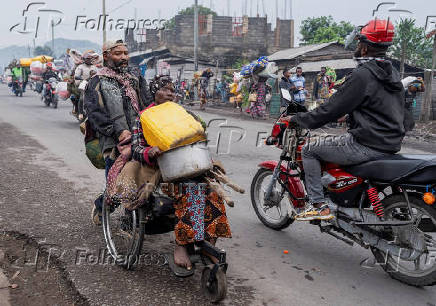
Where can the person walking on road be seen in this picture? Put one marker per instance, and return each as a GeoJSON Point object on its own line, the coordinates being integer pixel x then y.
{"type": "Point", "coordinates": [113, 99]}
{"type": "Point", "coordinates": [321, 86]}
{"type": "Point", "coordinates": [299, 93]}
{"type": "Point", "coordinates": [286, 84]}
{"type": "Point", "coordinates": [204, 84]}
{"type": "Point", "coordinates": [412, 87]}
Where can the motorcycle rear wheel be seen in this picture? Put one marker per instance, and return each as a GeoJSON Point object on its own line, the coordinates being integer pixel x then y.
{"type": "Point", "coordinates": [421, 272]}
{"type": "Point", "coordinates": [281, 219]}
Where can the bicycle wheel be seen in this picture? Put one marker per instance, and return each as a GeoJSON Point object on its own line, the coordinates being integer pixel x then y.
{"type": "Point", "coordinates": [123, 233]}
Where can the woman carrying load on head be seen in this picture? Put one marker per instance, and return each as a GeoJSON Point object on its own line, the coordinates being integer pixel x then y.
{"type": "Point", "coordinates": [200, 212]}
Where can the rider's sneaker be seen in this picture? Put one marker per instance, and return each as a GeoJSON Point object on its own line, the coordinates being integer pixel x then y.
{"type": "Point", "coordinates": [312, 213]}
{"type": "Point", "coordinates": [308, 214]}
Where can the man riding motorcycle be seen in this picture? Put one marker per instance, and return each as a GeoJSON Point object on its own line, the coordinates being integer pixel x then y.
{"type": "Point", "coordinates": [17, 74]}
{"type": "Point", "coordinates": [372, 96]}
{"type": "Point", "coordinates": [84, 72]}
{"type": "Point", "coordinates": [49, 73]}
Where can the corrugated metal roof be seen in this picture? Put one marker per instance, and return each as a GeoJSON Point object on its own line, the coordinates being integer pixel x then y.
{"type": "Point", "coordinates": [335, 64]}
{"type": "Point", "coordinates": [291, 53]}
{"type": "Point", "coordinates": [148, 51]}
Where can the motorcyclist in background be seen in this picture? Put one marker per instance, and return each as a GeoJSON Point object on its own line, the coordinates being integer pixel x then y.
{"type": "Point", "coordinates": [17, 73]}
{"type": "Point", "coordinates": [84, 72]}
{"type": "Point", "coordinates": [49, 73]}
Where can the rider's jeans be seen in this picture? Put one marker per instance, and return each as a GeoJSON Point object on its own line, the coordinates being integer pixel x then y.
{"type": "Point", "coordinates": [338, 149]}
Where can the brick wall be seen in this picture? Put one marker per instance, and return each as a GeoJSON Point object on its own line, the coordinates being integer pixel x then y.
{"type": "Point", "coordinates": [218, 41]}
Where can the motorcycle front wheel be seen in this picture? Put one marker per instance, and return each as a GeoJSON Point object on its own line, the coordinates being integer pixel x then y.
{"type": "Point", "coordinates": [275, 213]}
{"type": "Point", "coordinates": [55, 102]}
{"type": "Point", "coordinates": [422, 271]}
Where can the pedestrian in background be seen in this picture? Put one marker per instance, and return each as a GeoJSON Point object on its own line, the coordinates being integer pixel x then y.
{"type": "Point", "coordinates": [257, 109]}
{"type": "Point", "coordinates": [204, 84]}
{"type": "Point", "coordinates": [286, 84]}
{"type": "Point", "coordinates": [321, 86]}
{"type": "Point", "coordinates": [412, 87]}
{"type": "Point", "coordinates": [299, 92]}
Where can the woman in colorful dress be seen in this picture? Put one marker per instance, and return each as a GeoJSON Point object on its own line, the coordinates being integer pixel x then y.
{"type": "Point", "coordinates": [200, 212]}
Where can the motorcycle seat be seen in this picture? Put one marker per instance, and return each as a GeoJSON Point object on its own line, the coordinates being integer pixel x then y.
{"type": "Point", "coordinates": [398, 168]}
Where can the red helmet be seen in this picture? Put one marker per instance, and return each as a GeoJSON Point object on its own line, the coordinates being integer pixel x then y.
{"type": "Point", "coordinates": [49, 64]}
{"type": "Point", "coordinates": [377, 32]}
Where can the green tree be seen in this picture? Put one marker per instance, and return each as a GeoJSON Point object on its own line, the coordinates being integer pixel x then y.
{"type": "Point", "coordinates": [410, 45]}
{"type": "Point", "coordinates": [43, 50]}
{"type": "Point", "coordinates": [202, 10]}
{"type": "Point", "coordinates": [324, 29]}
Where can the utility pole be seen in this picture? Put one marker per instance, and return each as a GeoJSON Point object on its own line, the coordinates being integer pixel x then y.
{"type": "Point", "coordinates": [104, 20]}
{"type": "Point", "coordinates": [290, 9]}
{"type": "Point", "coordinates": [427, 104]}
{"type": "Point", "coordinates": [277, 10]}
{"type": "Point", "coordinates": [286, 8]}
{"type": "Point", "coordinates": [196, 43]}
{"type": "Point", "coordinates": [52, 36]}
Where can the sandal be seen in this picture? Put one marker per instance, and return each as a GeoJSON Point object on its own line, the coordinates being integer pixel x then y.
{"type": "Point", "coordinates": [178, 270]}
{"type": "Point", "coordinates": [325, 216]}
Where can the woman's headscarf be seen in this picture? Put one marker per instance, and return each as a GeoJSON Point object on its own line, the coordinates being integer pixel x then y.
{"type": "Point", "coordinates": [159, 82]}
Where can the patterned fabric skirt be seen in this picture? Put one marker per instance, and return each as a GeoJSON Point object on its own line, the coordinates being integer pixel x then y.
{"type": "Point", "coordinates": [258, 108]}
{"type": "Point", "coordinates": [200, 215]}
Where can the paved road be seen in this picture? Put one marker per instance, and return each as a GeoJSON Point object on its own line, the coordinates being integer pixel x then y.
{"type": "Point", "coordinates": [52, 202]}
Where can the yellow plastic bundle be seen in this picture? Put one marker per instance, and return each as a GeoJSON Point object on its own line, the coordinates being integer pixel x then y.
{"type": "Point", "coordinates": [169, 126]}
{"type": "Point", "coordinates": [43, 58]}
{"type": "Point", "coordinates": [25, 62]}
{"type": "Point", "coordinates": [233, 88]}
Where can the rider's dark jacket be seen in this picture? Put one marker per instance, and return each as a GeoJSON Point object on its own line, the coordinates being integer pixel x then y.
{"type": "Point", "coordinates": [50, 74]}
{"type": "Point", "coordinates": [373, 97]}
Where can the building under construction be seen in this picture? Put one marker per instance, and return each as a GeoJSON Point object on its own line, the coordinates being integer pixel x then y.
{"type": "Point", "coordinates": [221, 39]}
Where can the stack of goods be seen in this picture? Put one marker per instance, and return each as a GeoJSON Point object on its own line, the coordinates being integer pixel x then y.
{"type": "Point", "coordinates": [25, 62]}
{"type": "Point", "coordinates": [62, 90]}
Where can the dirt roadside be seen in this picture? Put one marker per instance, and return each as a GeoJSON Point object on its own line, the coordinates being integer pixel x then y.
{"type": "Point", "coordinates": [41, 211]}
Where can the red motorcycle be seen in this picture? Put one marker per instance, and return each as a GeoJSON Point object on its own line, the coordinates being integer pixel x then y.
{"type": "Point", "coordinates": [386, 205]}
{"type": "Point", "coordinates": [51, 96]}
{"type": "Point", "coordinates": [17, 87]}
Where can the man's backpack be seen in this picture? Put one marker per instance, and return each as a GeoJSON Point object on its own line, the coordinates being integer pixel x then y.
{"type": "Point", "coordinates": [92, 144]}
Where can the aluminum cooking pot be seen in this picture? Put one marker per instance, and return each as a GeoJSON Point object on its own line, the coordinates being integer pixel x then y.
{"type": "Point", "coordinates": [185, 162]}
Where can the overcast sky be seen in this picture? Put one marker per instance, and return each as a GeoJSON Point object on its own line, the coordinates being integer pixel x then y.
{"type": "Point", "coordinates": [357, 12]}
